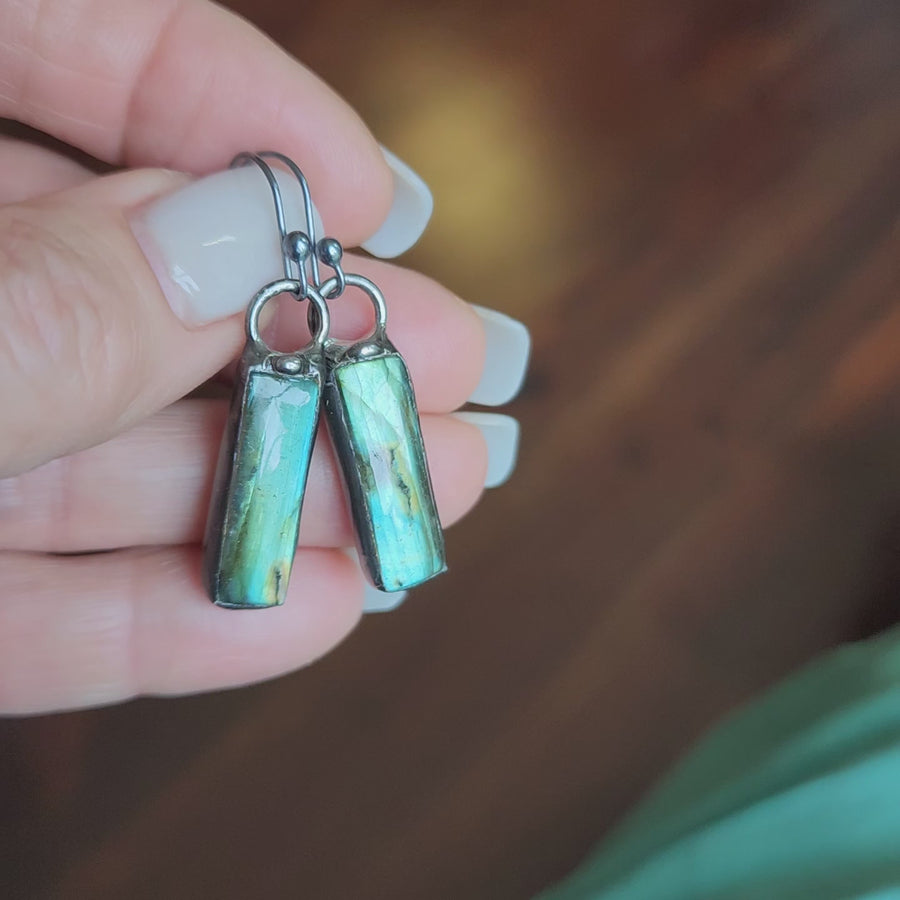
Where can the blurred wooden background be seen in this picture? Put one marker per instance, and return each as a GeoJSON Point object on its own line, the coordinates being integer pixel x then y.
{"type": "Point", "coordinates": [695, 206]}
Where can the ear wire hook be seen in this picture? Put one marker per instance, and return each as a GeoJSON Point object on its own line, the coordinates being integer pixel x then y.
{"type": "Point", "coordinates": [307, 207]}
{"type": "Point", "coordinates": [328, 250]}
{"type": "Point", "coordinates": [298, 248]}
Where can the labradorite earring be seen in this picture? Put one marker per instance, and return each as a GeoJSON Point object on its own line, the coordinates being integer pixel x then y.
{"type": "Point", "coordinates": [254, 517]}
{"type": "Point", "coordinates": [374, 424]}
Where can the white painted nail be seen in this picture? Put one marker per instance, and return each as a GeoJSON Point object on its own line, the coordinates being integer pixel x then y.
{"type": "Point", "coordinates": [375, 601]}
{"type": "Point", "coordinates": [213, 243]}
{"type": "Point", "coordinates": [409, 214]}
{"type": "Point", "coordinates": [507, 350]}
{"type": "Point", "coordinates": [501, 433]}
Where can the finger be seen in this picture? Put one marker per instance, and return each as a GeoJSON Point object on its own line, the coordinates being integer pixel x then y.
{"type": "Point", "coordinates": [27, 171]}
{"type": "Point", "coordinates": [216, 241]}
{"type": "Point", "coordinates": [88, 345]}
{"type": "Point", "coordinates": [152, 486]}
{"type": "Point", "coordinates": [85, 631]}
{"type": "Point", "coordinates": [184, 84]}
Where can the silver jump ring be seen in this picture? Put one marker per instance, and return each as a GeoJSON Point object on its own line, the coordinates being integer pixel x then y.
{"type": "Point", "coordinates": [341, 279]}
{"type": "Point", "coordinates": [288, 286]}
{"type": "Point", "coordinates": [374, 294]}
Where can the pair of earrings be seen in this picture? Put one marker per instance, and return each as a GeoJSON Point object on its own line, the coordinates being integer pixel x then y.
{"type": "Point", "coordinates": [365, 389]}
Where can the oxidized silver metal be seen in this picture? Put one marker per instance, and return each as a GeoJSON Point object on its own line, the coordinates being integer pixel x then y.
{"type": "Point", "coordinates": [374, 424]}
{"type": "Point", "coordinates": [254, 517]}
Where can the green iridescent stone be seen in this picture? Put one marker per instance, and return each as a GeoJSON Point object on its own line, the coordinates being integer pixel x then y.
{"type": "Point", "coordinates": [252, 529]}
{"type": "Point", "coordinates": [375, 430]}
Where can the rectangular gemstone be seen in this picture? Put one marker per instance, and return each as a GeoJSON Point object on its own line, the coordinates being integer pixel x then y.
{"type": "Point", "coordinates": [252, 529]}
{"type": "Point", "coordinates": [375, 429]}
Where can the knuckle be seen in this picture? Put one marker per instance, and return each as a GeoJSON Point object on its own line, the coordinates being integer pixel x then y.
{"type": "Point", "coordinates": [56, 343]}
{"type": "Point", "coordinates": [48, 306]}
{"type": "Point", "coordinates": [38, 508]}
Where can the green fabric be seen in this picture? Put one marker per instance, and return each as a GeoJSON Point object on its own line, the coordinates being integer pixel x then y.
{"type": "Point", "coordinates": [797, 796]}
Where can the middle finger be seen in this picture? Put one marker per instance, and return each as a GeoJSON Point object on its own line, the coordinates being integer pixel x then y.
{"type": "Point", "coordinates": [151, 486]}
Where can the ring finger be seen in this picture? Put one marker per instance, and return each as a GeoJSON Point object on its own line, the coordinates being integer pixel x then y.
{"type": "Point", "coordinates": [28, 171]}
{"type": "Point", "coordinates": [96, 629]}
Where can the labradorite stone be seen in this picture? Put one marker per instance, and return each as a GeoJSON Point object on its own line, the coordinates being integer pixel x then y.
{"type": "Point", "coordinates": [375, 429]}
{"type": "Point", "coordinates": [252, 531]}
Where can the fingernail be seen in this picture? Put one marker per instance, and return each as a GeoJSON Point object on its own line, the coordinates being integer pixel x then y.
{"type": "Point", "coordinates": [375, 601]}
{"type": "Point", "coordinates": [507, 350]}
{"type": "Point", "coordinates": [213, 243]}
{"type": "Point", "coordinates": [501, 434]}
{"type": "Point", "coordinates": [409, 214]}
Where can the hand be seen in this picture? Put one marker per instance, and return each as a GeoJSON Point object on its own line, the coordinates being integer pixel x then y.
{"type": "Point", "coordinates": [99, 341]}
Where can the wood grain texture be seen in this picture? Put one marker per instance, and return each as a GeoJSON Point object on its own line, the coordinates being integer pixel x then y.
{"type": "Point", "coordinates": [696, 208]}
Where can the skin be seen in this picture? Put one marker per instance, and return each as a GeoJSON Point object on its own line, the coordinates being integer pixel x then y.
{"type": "Point", "coordinates": [98, 450]}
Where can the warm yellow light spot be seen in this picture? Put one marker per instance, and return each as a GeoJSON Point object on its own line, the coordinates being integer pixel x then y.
{"type": "Point", "coordinates": [492, 156]}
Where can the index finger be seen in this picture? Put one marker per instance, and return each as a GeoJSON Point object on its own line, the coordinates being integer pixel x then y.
{"type": "Point", "coordinates": [185, 84]}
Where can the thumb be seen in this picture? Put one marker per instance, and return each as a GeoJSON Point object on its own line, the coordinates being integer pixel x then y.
{"type": "Point", "coordinates": [88, 342]}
